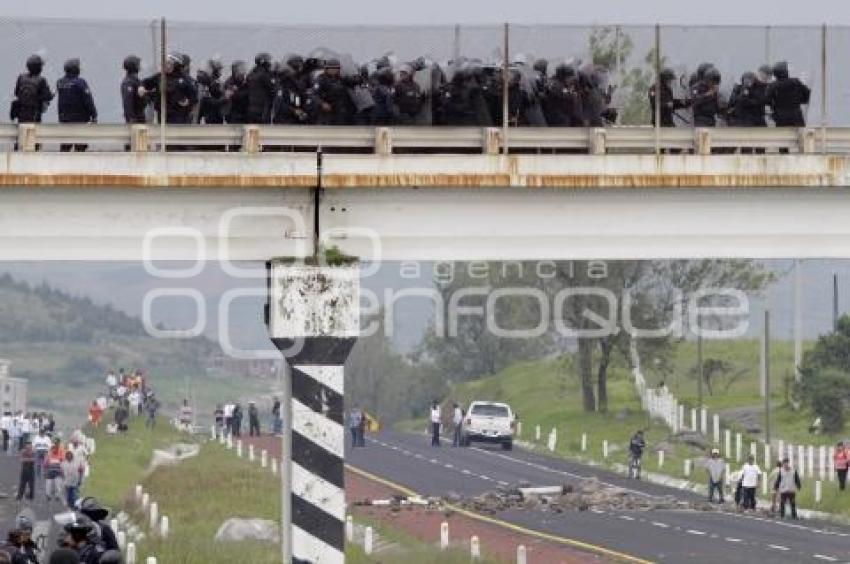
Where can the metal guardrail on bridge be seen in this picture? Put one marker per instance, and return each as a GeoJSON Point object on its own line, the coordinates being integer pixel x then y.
{"type": "Point", "coordinates": [426, 140]}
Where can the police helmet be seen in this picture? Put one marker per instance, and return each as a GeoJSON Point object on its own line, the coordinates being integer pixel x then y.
{"type": "Point", "coordinates": [35, 63]}
{"type": "Point", "coordinates": [296, 62]}
{"type": "Point", "coordinates": [712, 75]}
{"type": "Point", "coordinates": [541, 65]}
{"type": "Point", "coordinates": [332, 64]}
{"type": "Point", "coordinates": [780, 70]}
{"type": "Point", "coordinates": [237, 68]}
{"type": "Point", "coordinates": [215, 67]}
{"type": "Point", "coordinates": [667, 75]}
{"type": "Point", "coordinates": [132, 63]}
{"type": "Point", "coordinates": [748, 79]}
{"type": "Point", "coordinates": [702, 69]}
{"type": "Point", "coordinates": [175, 60]}
{"type": "Point", "coordinates": [564, 71]}
{"type": "Point", "coordinates": [80, 528]}
{"type": "Point", "coordinates": [92, 509]}
{"type": "Point", "coordinates": [72, 67]}
{"type": "Point", "coordinates": [263, 60]}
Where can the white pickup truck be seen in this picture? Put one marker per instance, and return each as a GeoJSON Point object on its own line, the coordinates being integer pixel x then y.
{"type": "Point", "coordinates": [489, 422]}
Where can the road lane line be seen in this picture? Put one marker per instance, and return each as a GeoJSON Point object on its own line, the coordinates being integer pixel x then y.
{"type": "Point", "coordinates": [508, 525]}
{"type": "Point", "coordinates": [660, 524]}
{"type": "Point", "coordinates": [625, 518]}
{"type": "Point", "coordinates": [695, 532]}
{"type": "Point", "coordinates": [778, 547]}
{"type": "Point", "coordinates": [825, 557]}
{"type": "Point", "coordinates": [732, 539]}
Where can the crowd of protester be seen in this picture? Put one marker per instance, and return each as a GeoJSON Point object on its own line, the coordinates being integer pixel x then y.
{"type": "Point", "coordinates": [131, 394]}
{"type": "Point", "coordinates": [334, 90]}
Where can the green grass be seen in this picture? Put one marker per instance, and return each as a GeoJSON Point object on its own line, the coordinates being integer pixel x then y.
{"type": "Point", "coordinates": [547, 393]}
{"type": "Point", "coordinates": [197, 495]}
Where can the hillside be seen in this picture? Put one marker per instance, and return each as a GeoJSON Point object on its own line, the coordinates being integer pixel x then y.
{"type": "Point", "coordinates": [65, 344]}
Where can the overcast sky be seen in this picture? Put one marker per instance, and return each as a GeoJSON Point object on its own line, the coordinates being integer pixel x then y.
{"type": "Point", "coordinates": [758, 12]}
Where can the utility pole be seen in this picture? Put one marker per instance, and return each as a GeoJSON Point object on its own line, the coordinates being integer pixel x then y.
{"type": "Point", "coordinates": [798, 318]}
{"type": "Point", "coordinates": [835, 302]}
{"type": "Point", "coordinates": [766, 354]}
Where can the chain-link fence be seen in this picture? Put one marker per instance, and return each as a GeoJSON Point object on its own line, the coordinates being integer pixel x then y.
{"type": "Point", "coordinates": [612, 67]}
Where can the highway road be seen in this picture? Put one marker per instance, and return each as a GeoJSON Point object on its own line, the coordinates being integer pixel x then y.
{"type": "Point", "coordinates": [657, 535]}
{"type": "Point", "coordinates": [37, 510]}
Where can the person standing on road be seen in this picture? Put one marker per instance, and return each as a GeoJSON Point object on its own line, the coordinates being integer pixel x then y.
{"type": "Point", "coordinates": [716, 468]}
{"type": "Point", "coordinates": [771, 479]}
{"type": "Point", "coordinates": [636, 447]}
{"type": "Point", "coordinates": [750, 478]}
{"type": "Point", "coordinates": [72, 477]}
{"type": "Point", "coordinates": [436, 419]}
{"type": "Point", "coordinates": [27, 472]}
{"type": "Point", "coordinates": [355, 417]}
{"type": "Point", "coordinates": [236, 421]}
{"type": "Point", "coordinates": [151, 405]}
{"type": "Point", "coordinates": [253, 419]}
{"type": "Point", "coordinates": [842, 462]}
{"type": "Point", "coordinates": [5, 427]}
{"type": "Point", "coordinates": [457, 422]}
{"type": "Point", "coordinates": [228, 418]}
{"type": "Point", "coordinates": [787, 484]}
{"type": "Point", "coordinates": [53, 470]}
{"type": "Point", "coordinates": [277, 422]}
{"type": "Point", "coordinates": [41, 444]}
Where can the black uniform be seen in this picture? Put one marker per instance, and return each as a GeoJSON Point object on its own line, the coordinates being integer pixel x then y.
{"type": "Point", "coordinates": [668, 103]}
{"type": "Point", "coordinates": [456, 102]}
{"type": "Point", "coordinates": [706, 104]}
{"type": "Point", "coordinates": [383, 95]}
{"type": "Point", "coordinates": [76, 105]}
{"type": "Point", "coordinates": [32, 95]}
{"type": "Point", "coordinates": [210, 98]}
{"type": "Point", "coordinates": [562, 101]}
{"type": "Point", "coordinates": [408, 99]}
{"type": "Point", "coordinates": [747, 103]}
{"type": "Point", "coordinates": [180, 95]}
{"type": "Point", "coordinates": [261, 87]}
{"type": "Point", "coordinates": [236, 109]}
{"type": "Point", "coordinates": [134, 104]}
{"type": "Point", "coordinates": [785, 95]}
{"type": "Point", "coordinates": [333, 92]}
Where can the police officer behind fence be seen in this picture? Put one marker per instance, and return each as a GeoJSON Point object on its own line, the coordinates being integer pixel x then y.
{"type": "Point", "coordinates": [785, 96]}
{"type": "Point", "coordinates": [180, 91]}
{"type": "Point", "coordinates": [76, 104]}
{"type": "Point", "coordinates": [261, 86]}
{"type": "Point", "coordinates": [32, 93]}
{"type": "Point", "coordinates": [668, 103]}
{"type": "Point", "coordinates": [331, 100]}
{"type": "Point", "coordinates": [133, 97]}
{"type": "Point", "coordinates": [210, 93]}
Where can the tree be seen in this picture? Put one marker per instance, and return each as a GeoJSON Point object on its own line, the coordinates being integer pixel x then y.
{"type": "Point", "coordinates": [825, 377]}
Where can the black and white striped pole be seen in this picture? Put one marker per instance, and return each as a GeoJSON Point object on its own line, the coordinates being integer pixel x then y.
{"type": "Point", "coordinates": [314, 320]}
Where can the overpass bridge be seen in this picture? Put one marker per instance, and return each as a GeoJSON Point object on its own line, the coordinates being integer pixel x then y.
{"type": "Point", "coordinates": [254, 192]}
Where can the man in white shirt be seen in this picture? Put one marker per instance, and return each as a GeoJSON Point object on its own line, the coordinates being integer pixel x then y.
{"type": "Point", "coordinates": [228, 418]}
{"type": "Point", "coordinates": [436, 418]}
{"type": "Point", "coordinates": [750, 477]}
{"type": "Point", "coordinates": [457, 423]}
{"type": "Point", "coordinates": [111, 383]}
{"type": "Point", "coordinates": [5, 425]}
{"type": "Point", "coordinates": [40, 446]}
{"type": "Point", "coordinates": [25, 431]}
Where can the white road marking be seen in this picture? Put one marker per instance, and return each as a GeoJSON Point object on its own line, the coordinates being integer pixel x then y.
{"type": "Point", "coordinates": [659, 524]}
{"type": "Point", "coordinates": [825, 557]}
{"type": "Point", "coordinates": [465, 471]}
{"type": "Point", "coordinates": [732, 539]}
{"type": "Point", "coordinates": [485, 478]}
{"type": "Point", "coordinates": [625, 518]}
{"type": "Point", "coordinates": [778, 547]}
{"type": "Point", "coordinates": [695, 532]}
{"type": "Point", "coordinates": [502, 483]}
{"type": "Point", "coordinates": [597, 511]}
{"type": "Point", "coordinates": [434, 461]}
{"type": "Point", "coordinates": [449, 466]}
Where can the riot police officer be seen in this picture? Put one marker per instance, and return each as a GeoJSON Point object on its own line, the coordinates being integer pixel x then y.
{"type": "Point", "coordinates": [786, 95]}
{"type": "Point", "coordinates": [92, 509]}
{"type": "Point", "coordinates": [80, 535]}
{"type": "Point", "coordinates": [705, 98]}
{"type": "Point", "coordinates": [747, 102]}
{"type": "Point", "coordinates": [132, 98]}
{"type": "Point", "coordinates": [210, 93]}
{"type": "Point", "coordinates": [668, 103]}
{"type": "Point", "coordinates": [261, 87]}
{"type": "Point", "coordinates": [331, 101]}
{"type": "Point", "coordinates": [288, 105]}
{"type": "Point", "coordinates": [236, 94]}
{"type": "Point", "coordinates": [407, 96]}
{"type": "Point", "coordinates": [76, 104]}
{"type": "Point", "coordinates": [180, 92]}
{"type": "Point", "coordinates": [32, 93]}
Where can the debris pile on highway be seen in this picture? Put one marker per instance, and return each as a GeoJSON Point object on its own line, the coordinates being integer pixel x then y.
{"type": "Point", "coordinates": [589, 494]}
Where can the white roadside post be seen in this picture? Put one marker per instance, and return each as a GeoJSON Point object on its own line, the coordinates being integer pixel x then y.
{"type": "Point", "coordinates": [822, 462]}
{"type": "Point", "coordinates": [704, 421]}
{"type": "Point", "coordinates": [131, 553]}
{"type": "Point", "coordinates": [767, 458]}
{"type": "Point", "coordinates": [605, 448]}
{"type": "Point", "coordinates": [164, 527]}
{"type": "Point", "coordinates": [519, 428]}
{"type": "Point", "coordinates": [727, 451]}
{"type": "Point", "coordinates": [694, 427]}
{"type": "Point", "coordinates": [349, 528]}
{"type": "Point", "coordinates": [583, 442]}
{"type": "Point", "coordinates": [250, 452]}
{"type": "Point", "coordinates": [139, 492]}
{"type": "Point", "coordinates": [475, 547]}
{"type": "Point", "coordinates": [715, 419]}
{"type": "Point", "coordinates": [229, 442]}
{"type": "Point", "coordinates": [537, 433]}
{"type": "Point", "coordinates": [818, 492]}
{"type": "Point", "coordinates": [811, 453]}
{"type": "Point", "coordinates": [239, 448]}
{"type": "Point", "coordinates": [754, 451]}
{"type": "Point", "coordinates": [738, 447]}
{"type": "Point", "coordinates": [213, 434]}
{"type": "Point", "coordinates": [553, 439]}
{"type": "Point", "coordinates": [660, 458]}
{"type": "Point", "coordinates": [801, 460]}
{"type": "Point", "coordinates": [264, 458]}
{"type": "Point", "coordinates": [151, 560]}
{"type": "Point", "coordinates": [444, 536]}
{"type": "Point", "coordinates": [687, 468]}
{"type": "Point", "coordinates": [368, 541]}
{"type": "Point", "coordinates": [681, 416]}
{"type": "Point", "coordinates": [830, 463]}
{"type": "Point", "coordinates": [154, 515]}
{"type": "Point", "coordinates": [146, 499]}
{"type": "Point", "coordinates": [520, 555]}
{"type": "Point", "coordinates": [122, 540]}
{"type": "Point", "coordinates": [274, 466]}
{"type": "Point", "coordinates": [764, 484]}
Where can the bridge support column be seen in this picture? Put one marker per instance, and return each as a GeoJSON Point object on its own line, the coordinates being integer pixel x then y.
{"type": "Point", "coordinates": [314, 320]}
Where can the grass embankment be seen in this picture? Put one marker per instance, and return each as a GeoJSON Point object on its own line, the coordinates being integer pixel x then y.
{"type": "Point", "coordinates": [200, 493]}
{"type": "Point", "coordinates": [547, 393]}
{"type": "Point", "coordinates": [197, 495]}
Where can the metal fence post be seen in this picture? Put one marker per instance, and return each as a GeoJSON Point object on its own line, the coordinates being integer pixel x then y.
{"type": "Point", "coordinates": [823, 83]}
{"type": "Point", "coordinates": [162, 85]}
{"type": "Point", "coordinates": [657, 108]}
{"type": "Point", "coordinates": [505, 81]}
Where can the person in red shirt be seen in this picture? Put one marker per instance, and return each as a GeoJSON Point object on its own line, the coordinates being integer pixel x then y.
{"type": "Point", "coordinates": [842, 461]}
{"type": "Point", "coordinates": [95, 413]}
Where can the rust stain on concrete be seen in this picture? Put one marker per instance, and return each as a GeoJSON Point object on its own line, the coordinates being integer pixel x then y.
{"type": "Point", "coordinates": [141, 181]}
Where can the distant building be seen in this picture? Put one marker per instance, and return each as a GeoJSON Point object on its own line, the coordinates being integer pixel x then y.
{"type": "Point", "coordinates": [13, 391]}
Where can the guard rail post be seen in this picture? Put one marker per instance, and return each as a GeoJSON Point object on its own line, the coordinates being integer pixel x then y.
{"type": "Point", "coordinates": [250, 139]}
{"type": "Point", "coordinates": [703, 140]}
{"type": "Point", "coordinates": [139, 138]}
{"type": "Point", "coordinates": [598, 140]}
{"type": "Point", "coordinates": [807, 140]}
{"type": "Point", "coordinates": [26, 137]}
{"type": "Point", "coordinates": [492, 140]}
{"type": "Point", "coordinates": [383, 141]}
